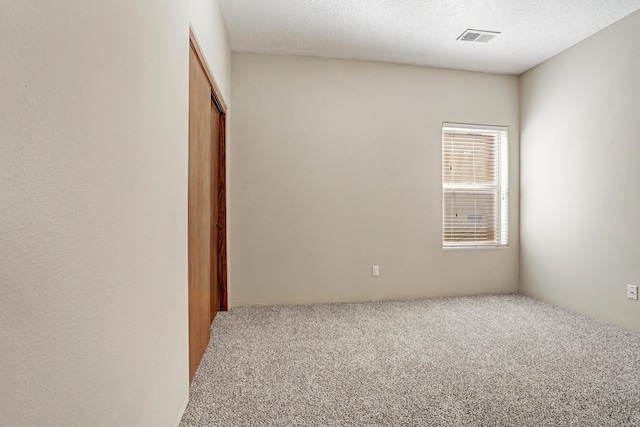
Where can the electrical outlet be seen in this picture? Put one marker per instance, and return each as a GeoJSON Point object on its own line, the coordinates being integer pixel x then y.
{"type": "Point", "coordinates": [632, 292]}
{"type": "Point", "coordinates": [375, 271]}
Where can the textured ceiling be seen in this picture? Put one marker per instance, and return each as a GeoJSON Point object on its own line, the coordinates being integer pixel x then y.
{"type": "Point", "coordinates": [421, 32]}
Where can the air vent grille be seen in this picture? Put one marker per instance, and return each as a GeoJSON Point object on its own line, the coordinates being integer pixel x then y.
{"type": "Point", "coordinates": [480, 36]}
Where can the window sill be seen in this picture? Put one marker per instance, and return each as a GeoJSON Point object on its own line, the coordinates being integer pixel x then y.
{"type": "Point", "coordinates": [457, 248]}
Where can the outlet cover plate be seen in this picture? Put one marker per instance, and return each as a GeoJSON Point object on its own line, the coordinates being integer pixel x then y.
{"type": "Point", "coordinates": [632, 292]}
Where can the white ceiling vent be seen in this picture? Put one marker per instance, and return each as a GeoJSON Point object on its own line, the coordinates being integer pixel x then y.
{"type": "Point", "coordinates": [477, 35]}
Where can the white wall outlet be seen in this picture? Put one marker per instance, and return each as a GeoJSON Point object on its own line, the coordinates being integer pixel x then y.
{"type": "Point", "coordinates": [375, 271]}
{"type": "Point", "coordinates": [632, 292]}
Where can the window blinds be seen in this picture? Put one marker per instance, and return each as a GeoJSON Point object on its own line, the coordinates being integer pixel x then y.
{"type": "Point", "coordinates": [475, 178]}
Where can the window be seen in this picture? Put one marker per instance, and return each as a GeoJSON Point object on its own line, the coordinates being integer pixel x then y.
{"type": "Point", "coordinates": [475, 178]}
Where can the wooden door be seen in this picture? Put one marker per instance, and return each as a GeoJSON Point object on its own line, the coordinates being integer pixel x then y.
{"type": "Point", "coordinates": [207, 205]}
{"type": "Point", "coordinates": [215, 123]}
{"type": "Point", "coordinates": [222, 214]}
{"type": "Point", "coordinates": [200, 211]}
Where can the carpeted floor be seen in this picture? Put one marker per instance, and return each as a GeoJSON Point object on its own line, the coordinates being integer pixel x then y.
{"type": "Point", "coordinates": [473, 361]}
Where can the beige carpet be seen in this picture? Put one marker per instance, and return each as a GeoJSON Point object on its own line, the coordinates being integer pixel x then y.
{"type": "Point", "coordinates": [473, 361]}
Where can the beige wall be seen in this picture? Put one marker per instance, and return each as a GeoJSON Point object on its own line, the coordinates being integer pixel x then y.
{"type": "Point", "coordinates": [93, 213]}
{"type": "Point", "coordinates": [337, 167]}
{"type": "Point", "coordinates": [206, 22]}
{"type": "Point", "coordinates": [580, 172]}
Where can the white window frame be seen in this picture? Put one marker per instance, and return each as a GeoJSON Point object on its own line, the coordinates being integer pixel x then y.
{"type": "Point", "coordinates": [500, 187]}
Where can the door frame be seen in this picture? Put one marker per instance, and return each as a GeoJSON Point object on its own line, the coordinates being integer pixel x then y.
{"type": "Point", "coordinates": [221, 191]}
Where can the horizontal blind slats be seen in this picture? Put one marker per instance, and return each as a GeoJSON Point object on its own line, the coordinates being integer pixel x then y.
{"type": "Point", "coordinates": [475, 182]}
